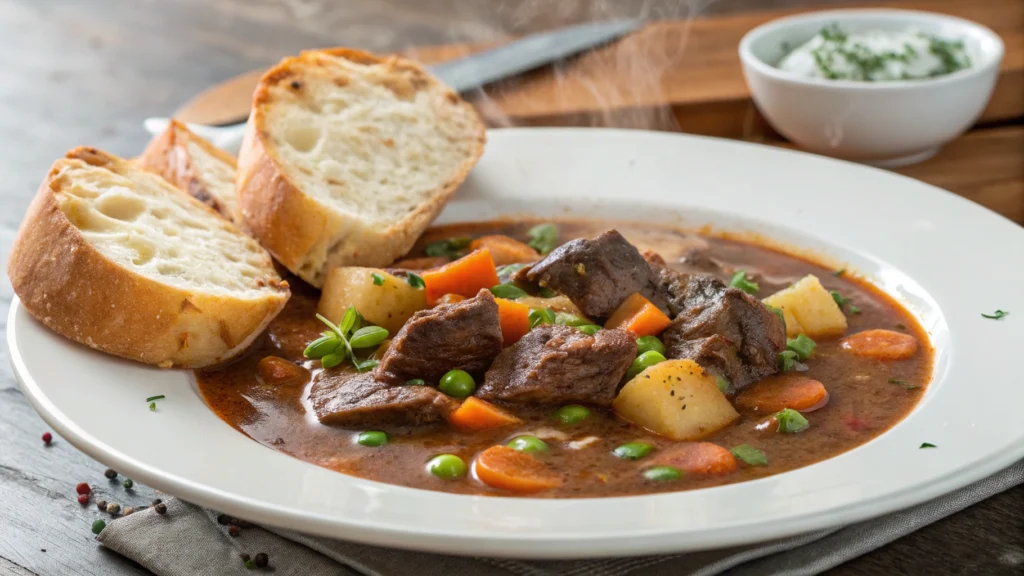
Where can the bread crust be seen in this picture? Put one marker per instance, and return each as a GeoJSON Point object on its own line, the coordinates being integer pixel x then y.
{"type": "Point", "coordinates": [76, 291]}
{"type": "Point", "coordinates": [305, 236]}
{"type": "Point", "coordinates": [167, 155]}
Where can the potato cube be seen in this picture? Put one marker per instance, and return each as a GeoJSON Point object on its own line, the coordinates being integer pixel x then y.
{"type": "Point", "coordinates": [388, 305]}
{"type": "Point", "coordinates": [809, 309]}
{"type": "Point", "coordinates": [676, 399]}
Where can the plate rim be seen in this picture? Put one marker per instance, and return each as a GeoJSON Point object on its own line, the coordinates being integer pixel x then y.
{"type": "Point", "coordinates": [513, 544]}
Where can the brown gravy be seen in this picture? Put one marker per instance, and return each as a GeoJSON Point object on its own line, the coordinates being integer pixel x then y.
{"type": "Point", "coordinates": [863, 400]}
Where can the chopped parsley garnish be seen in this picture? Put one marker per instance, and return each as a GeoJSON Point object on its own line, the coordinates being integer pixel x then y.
{"type": "Point", "coordinates": [790, 421]}
{"type": "Point", "coordinates": [802, 345]}
{"type": "Point", "coordinates": [750, 455]}
{"type": "Point", "coordinates": [378, 280]}
{"type": "Point", "coordinates": [904, 384]}
{"type": "Point", "coordinates": [788, 360]}
{"type": "Point", "coordinates": [543, 237]}
{"type": "Point", "coordinates": [844, 301]}
{"type": "Point", "coordinates": [415, 280]}
{"type": "Point", "coordinates": [450, 248]}
{"type": "Point", "coordinates": [839, 272]}
{"type": "Point", "coordinates": [927, 445]}
{"type": "Point", "coordinates": [901, 326]}
{"type": "Point", "coordinates": [723, 383]}
{"type": "Point", "coordinates": [997, 315]}
{"type": "Point", "coordinates": [743, 282]}
{"type": "Point", "coordinates": [158, 397]}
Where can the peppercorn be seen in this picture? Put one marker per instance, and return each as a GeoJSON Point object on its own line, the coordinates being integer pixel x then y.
{"type": "Point", "coordinates": [245, 557]}
{"type": "Point", "coordinates": [83, 488]}
{"type": "Point", "coordinates": [160, 508]}
{"type": "Point", "coordinates": [113, 508]}
{"type": "Point", "coordinates": [47, 438]}
{"type": "Point", "coordinates": [128, 484]}
{"type": "Point", "coordinates": [223, 519]}
{"type": "Point", "coordinates": [262, 560]}
{"type": "Point", "coordinates": [102, 505]}
{"type": "Point", "coordinates": [98, 526]}
{"type": "Point", "coordinates": [128, 510]}
{"type": "Point", "coordinates": [234, 531]}
{"type": "Point", "coordinates": [109, 473]}
{"type": "Point", "coordinates": [83, 499]}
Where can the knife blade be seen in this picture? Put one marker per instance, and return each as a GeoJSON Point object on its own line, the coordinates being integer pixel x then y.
{"type": "Point", "coordinates": [470, 72]}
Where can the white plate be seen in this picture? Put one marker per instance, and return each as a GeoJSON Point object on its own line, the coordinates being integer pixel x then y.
{"type": "Point", "coordinates": [947, 259]}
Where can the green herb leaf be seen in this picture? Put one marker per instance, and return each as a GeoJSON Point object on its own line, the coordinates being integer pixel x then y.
{"type": "Point", "coordinates": [742, 281]}
{"type": "Point", "coordinates": [368, 336]}
{"type": "Point", "coordinates": [927, 445]}
{"type": "Point", "coordinates": [450, 248]}
{"type": "Point", "coordinates": [152, 406]}
{"type": "Point", "coordinates": [778, 312]}
{"type": "Point", "coordinates": [158, 397]}
{"type": "Point", "coordinates": [901, 326]}
{"type": "Point", "coordinates": [787, 360]}
{"type": "Point", "coordinates": [364, 365]}
{"type": "Point", "coordinates": [543, 237]}
{"type": "Point", "coordinates": [844, 301]}
{"type": "Point", "coordinates": [348, 322]}
{"type": "Point", "coordinates": [415, 280]}
{"type": "Point", "coordinates": [322, 346]}
{"type": "Point", "coordinates": [723, 383]}
{"type": "Point", "coordinates": [997, 315]}
{"type": "Point", "coordinates": [750, 455]}
{"type": "Point", "coordinates": [839, 272]}
{"type": "Point", "coordinates": [802, 345]}
{"type": "Point", "coordinates": [416, 382]}
{"type": "Point", "coordinates": [539, 316]}
{"type": "Point", "coordinates": [378, 280]}
{"type": "Point", "coordinates": [791, 421]}
{"type": "Point", "coordinates": [508, 291]}
{"type": "Point", "coordinates": [334, 359]}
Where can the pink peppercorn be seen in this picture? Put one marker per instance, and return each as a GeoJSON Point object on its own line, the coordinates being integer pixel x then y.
{"type": "Point", "coordinates": [83, 488]}
{"type": "Point", "coordinates": [83, 499]}
{"type": "Point", "coordinates": [47, 438]}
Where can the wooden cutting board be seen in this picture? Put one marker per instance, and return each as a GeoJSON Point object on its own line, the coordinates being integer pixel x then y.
{"type": "Point", "coordinates": [669, 75]}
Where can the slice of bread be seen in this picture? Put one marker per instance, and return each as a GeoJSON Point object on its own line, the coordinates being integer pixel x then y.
{"type": "Point", "coordinates": [191, 163]}
{"type": "Point", "coordinates": [118, 259]}
{"type": "Point", "coordinates": [348, 156]}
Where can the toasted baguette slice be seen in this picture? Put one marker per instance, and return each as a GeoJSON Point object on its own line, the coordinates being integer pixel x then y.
{"type": "Point", "coordinates": [191, 163]}
{"type": "Point", "coordinates": [118, 259]}
{"type": "Point", "coordinates": [348, 156]}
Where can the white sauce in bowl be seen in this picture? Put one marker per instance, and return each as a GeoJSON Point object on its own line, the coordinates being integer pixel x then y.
{"type": "Point", "coordinates": [875, 56]}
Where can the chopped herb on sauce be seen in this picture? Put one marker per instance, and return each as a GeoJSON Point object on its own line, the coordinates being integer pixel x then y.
{"type": "Point", "coordinates": [904, 384]}
{"type": "Point", "coordinates": [802, 345]}
{"type": "Point", "coordinates": [839, 272]}
{"type": "Point", "coordinates": [543, 238]}
{"type": "Point", "coordinates": [750, 455]}
{"type": "Point", "coordinates": [790, 421]}
{"type": "Point", "coordinates": [450, 248]}
{"type": "Point", "coordinates": [743, 282]}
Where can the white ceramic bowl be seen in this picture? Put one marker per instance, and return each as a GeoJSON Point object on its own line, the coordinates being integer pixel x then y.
{"type": "Point", "coordinates": [883, 123]}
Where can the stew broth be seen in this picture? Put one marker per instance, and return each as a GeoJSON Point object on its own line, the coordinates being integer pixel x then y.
{"type": "Point", "coordinates": [866, 397]}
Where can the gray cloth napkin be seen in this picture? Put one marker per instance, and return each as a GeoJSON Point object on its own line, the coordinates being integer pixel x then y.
{"type": "Point", "coordinates": [188, 541]}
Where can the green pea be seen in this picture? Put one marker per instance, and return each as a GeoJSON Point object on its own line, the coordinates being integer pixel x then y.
{"type": "Point", "coordinates": [368, 336]}
{"type": "Point", "coordinates": [589, 329]}
{"type": "Point", "coordinates": [416, 382]}
{"type": "Point", "coordinates": [98, 526]}
{"type": "Point", "coordinates": [528, 444]}
{"type": "Point", "coordinates": [648, 343]}
{"type": "Point", "coordinates": [633, 450]}
{"type": "Point", "coordinates": [322, 346]}
{"type": "Point", "coordinates": [643, 362]}
{"type": "Point", "coordinates": [447, 467]}
{"type": "Point", "coordinates": [457, 384]}
{"type": "Point", "coordinates": [334, 359]}
{"type": "Point", "coordinates": [572, 414]}
{"type": "Point", "coordinates": [372, 438]}
{"type": "Point", "coordinates": [662, 473]}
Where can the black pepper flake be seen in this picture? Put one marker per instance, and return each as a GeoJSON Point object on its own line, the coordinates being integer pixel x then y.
{"type": "Point", "coordinates": [262, 560]}
{"type": "Point", "coordinates": [234, 531]}
{"type": "Point", "coordinates": [672, 393]}
{"type": "Point", "coordinates": [160, 508]}
{"type": "Point", "coordinates": [296, 84]}
{"type": "Point", "coordinates": [109, 473]}
{"type": "Point", "coordinates": [684, 406]}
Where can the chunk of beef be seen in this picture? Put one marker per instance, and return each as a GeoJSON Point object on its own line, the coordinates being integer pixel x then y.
{"type": "Point", "coordinates": [597, 274]}
{"type": "Point", "coordinates": [343, 398]}
{"type": "Point", "coordinates": [671, 284]}
{"type": "Point", "coordinates": [714, 319]}
{"type": "Point", "coordinates": [555, 364]}
{"type": "Point", "coordinates": [464, 336]}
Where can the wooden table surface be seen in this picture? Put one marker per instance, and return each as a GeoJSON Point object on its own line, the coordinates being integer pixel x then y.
{"type": "Point", "coordinates": [88, 72]}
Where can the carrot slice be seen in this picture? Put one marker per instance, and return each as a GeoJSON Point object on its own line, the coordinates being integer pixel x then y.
{"type": "Point", "coordinates": [880, 344]}
{"type": "Point", "coordinates": [476, 414]}
{"type": "Point", "coordinates": [637, 315]}
{"type": "Point", "coordinates": [450, 299]}
{"type": "Point", "coordinates": [278, 371]}
{"type": "Point", "coordinates": [504, 468]}
{"type": "Point", "coordinates": [515, 320]}
{"type": "Point", "coordinates": [465, 276]}
{"type": "Point", "coordinates": [505, 249]}
{"type": "Point", "coordinates": [780, 392]}
{"type": "Point", "coordinates": [698, 458]}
